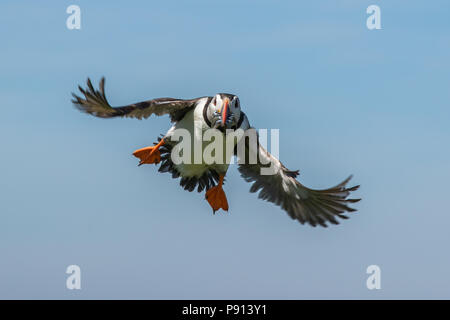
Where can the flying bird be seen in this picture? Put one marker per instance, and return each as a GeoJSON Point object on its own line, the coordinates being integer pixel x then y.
{"type": "Point", "coordinates": [222, 111]}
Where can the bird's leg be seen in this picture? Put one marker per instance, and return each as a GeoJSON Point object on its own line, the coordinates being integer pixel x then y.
{"type": "Point", "coordinates": [216, 196]}
{"type": "Point", "coordinates": [149, 154]}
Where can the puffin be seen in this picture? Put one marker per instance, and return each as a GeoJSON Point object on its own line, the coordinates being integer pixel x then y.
{"type": "Point", "coordinates": [222, 112]}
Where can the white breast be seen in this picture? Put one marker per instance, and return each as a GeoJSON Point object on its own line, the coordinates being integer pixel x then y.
{"type": "Point", "coordinates": [194, 123]}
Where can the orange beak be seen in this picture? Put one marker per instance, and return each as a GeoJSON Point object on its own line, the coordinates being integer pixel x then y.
{"type": "Point", "coordinates": [225, 111]}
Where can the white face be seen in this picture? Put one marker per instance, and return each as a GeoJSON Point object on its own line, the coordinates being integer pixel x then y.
{"type": "Point", "coordinates": [235, 108]}
{"type": "Point", "coordinates": [233, 111]}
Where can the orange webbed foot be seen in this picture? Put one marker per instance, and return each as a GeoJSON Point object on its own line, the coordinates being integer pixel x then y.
{"type": "Point", "coordinates": [216, 197]}
{"type": "Point", "coordinates": [149, 155]}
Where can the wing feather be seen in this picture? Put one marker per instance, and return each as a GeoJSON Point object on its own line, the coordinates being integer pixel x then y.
{"type": "Point", "coordinates": [95, 103]}
{"type": "Point", "coordinates": [315, 207]}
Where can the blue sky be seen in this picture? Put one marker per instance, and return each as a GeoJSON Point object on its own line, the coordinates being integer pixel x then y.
{"type": "Point", "coordinates": [346, 100]}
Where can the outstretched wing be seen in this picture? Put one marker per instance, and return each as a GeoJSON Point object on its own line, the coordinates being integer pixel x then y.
{"type": "Point", "coordinates": [316, 207]}
{"type": "Point", "coordinates": [95, 103]}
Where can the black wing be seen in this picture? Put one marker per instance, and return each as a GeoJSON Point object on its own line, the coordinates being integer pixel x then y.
{"type": "Point", "coordinates": [95, 103]}
{"type": "Point", "coordinates": [316, 207]}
